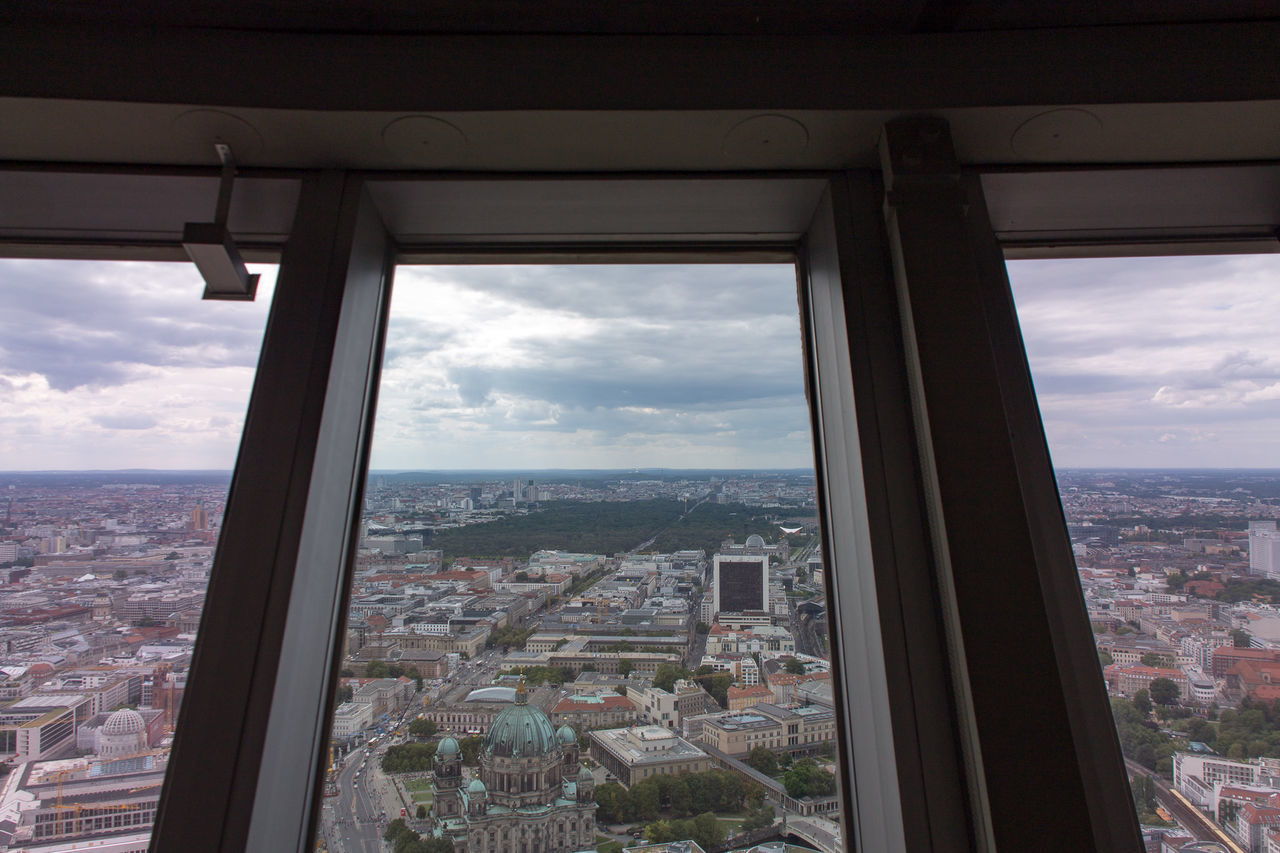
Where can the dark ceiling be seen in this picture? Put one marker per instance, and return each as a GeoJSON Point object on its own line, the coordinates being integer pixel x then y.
{"type": "Point", "coordinates": [632, 17]}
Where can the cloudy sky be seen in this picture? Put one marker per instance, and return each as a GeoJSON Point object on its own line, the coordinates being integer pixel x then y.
{"type": "Point", "coordinates": [121, 365]}
{"type": "Point", "coordinates": [1169, 362]}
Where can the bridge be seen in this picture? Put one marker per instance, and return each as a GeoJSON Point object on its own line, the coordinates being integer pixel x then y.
{"type": "Point", "coordinates": [815, 831]}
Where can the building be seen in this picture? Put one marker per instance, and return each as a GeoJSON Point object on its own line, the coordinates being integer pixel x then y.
{"type": "Point", "coordinates": [351, 718]}
{"type": "Point", "coordinates": [1264, 549]}
{"type": "Point", "coordinates": [1196, 776]}
{"type": "Point", "coordinates": [640, 752]}
{"type": "Point", "coordinates": [1128, 680]}
{"type": "Point", "coordinates": [585, 711]}
{"type": "Point", "coordinates": [799, 730]}
{"type": "Point", "coordinates": [741, 698]}
{"type": "Point", "coordinates": [740, 582]}
{"type": "Point", "coordinates": [81, 804]}
{"type": "Point", "coordinates": [1078, 128]}
{"type": "Point", "coordinates": [532, 793]}
{"type": "Point", "coordinates": [40, 727]}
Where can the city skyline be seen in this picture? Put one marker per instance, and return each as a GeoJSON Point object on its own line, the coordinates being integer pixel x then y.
{"type": "Point", "coordinates": [1137, 364]}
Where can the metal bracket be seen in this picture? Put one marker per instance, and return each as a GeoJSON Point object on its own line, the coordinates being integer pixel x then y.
{"type": "Point", "coordinates": [211, 249]}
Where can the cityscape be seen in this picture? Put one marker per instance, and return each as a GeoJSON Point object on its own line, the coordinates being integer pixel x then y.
{"type": "Point", "coordinates": [577, 660]}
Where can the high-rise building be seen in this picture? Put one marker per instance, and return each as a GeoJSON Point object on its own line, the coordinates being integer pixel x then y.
{"type": "Point", "coordinates": [1264, 549]}
{"type": "Point", "coordinates": [741, 582]}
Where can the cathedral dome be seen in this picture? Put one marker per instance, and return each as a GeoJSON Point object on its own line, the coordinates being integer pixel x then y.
{"type": "Point", "coordinates": [448, 746]}
{"type": "Point", "coordinates": [476, 787]}
{"type": "Point", "coordinates": [124, 722]}
{"type": "Point", "coordinates": [520, 730]}
{"type": "Point", "coordinates": [566, 734]}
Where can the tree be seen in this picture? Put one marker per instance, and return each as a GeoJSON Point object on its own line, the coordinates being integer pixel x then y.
{"type": "Point", "coordinates": [470, 748]}
{"type": "Point", "coordinates": [612, 803]}
{"type": "Point", "coordinates": [807, 779]}
{"type": "Point", "coordinates": [1164, 691]}
{"type": "Point", "coordinates": [708, 832]}
{"type": "Point", "coordinates": [763, 759]}
{"type": "Point", "coordinates": [173, 555]}
{"type": "Point", "coordinates": [376, 669]}
{"type": "Point", "coordinates": [1144, 793]}
{"type": "Point", "coordinates": [421, 812]}
{"type": "Point", "coordinates": [1241, 638]}
{"type": "Point", "coordinates": [345, 694]}
{"type": "Point", "coordinates": [409, 758]}
{"type": "Point", "coordinates": [1142, 701]}
{"type": "Point", "coordinates": [625, 666]}
{"type": "Point", "coordinates": [644, 799]}
{"type": "Point", "coordinates": [758, 818]}
{"type": "Point", "coordinates": [1200, 730]}
{"type": "Point", "coordinates": [1104, 657]}
{"type": "Point", "coordinates": [794, 666]}
{"type": "Point", "coordinates": [680, 797]}
{"type": "Point", "coordinates": [718, 686]}
{"type": "Point", "coordinates": [667, 675]}
{"type": "Point", "coordinates": [119, 574]}
{"type": "Point", "coordinates": [702, 628]}
{"type": "Point", "coordinates": [423, 728]}
{"type": "Point", "coordinates": [395, 829]}
{"type": "Point", "coordinates": [1154, 659]}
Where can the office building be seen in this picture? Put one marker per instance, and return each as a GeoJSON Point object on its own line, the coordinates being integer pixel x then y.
{"type": "Point", "coordinates": [1264, 549]}
{"type": "Point", "coordinates": [740, 582]}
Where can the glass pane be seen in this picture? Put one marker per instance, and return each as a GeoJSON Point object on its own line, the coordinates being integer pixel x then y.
{"type": "Point", "coordinates": [1158, 380]}
{"type": "Point", "coordinates": [589, 599]}
{"type": "Point", "coordinates": [122, 396]}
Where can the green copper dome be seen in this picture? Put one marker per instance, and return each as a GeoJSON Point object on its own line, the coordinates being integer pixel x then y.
{"type": "Point", "coordinates": [566, 734]}
{"type": "Point", "coordinates": [520, 730]}
{"type": "Point", "coordinates": [476, 787]}
{"type": "Point", "coordinates": [448, 746]}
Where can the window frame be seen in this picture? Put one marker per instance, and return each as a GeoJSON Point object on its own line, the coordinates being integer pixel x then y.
{"type": "Point", "coordinates": [908, 743]}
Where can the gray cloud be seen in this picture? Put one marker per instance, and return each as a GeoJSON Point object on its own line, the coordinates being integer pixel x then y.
{"type": "Point", "coordinates": [127, 420]}
{"type": "Point", "coordinates": [92, 324]}
{"type": "Point", "coordinates": [1154, 361]}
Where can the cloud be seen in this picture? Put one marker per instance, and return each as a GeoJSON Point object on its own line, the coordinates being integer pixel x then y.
{"type": "Point", "coordinates": [1154, 361]}
{"type": "Point", "coordinates": [134, 420]}
{"type": "Point", "coordinates": [593, 365]}
{"type": "Point", "coordinates": [86, 324]}
{"type": "Point", "coordinates": [109, 364]}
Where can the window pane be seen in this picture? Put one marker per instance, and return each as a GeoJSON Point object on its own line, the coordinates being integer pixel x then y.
{"type": "Point", "coordinates": [1158, 381]}
{"type": "Point", "coordinates": [122, 397]}
{"type": "Point", "coordinates": [590, 580]}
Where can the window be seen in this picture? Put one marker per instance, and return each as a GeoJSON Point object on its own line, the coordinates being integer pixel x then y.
{"type": "Point", "coordinates": [123, 398]}
{"type": "Point", "coordinates": [1162, 431]}
{"type": "Point", "coordinates": [305, 435]}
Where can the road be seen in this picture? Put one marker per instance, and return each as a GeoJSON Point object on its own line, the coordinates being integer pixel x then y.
{"type": "Point", "coordinates": [354, 820]}
{"type": "Point", "coordinates": [355, 812]}
{"type": "Point", "coordinates": [1195, 821]}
